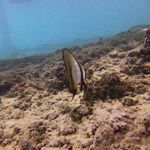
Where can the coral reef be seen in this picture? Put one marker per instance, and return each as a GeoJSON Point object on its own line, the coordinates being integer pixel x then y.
{"type": "Point", "coordinates": [137, 61]}
{"type": "Point", "coordinates": [37, 113]}
{"type": "Point", "coordinates": [109, 86]}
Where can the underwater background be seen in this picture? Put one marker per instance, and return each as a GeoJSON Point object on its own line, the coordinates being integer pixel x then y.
{"type": "Point", "coordinates": [36, 26]}
{"type": "Point", "coordinates": [74, 75]}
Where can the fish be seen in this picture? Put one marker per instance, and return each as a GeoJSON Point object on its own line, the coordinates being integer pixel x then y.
{"type": "Point", "coordinates": [74, 72]}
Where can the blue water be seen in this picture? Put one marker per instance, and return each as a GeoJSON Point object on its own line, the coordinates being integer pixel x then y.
{"type": "Point", "coordinates": [32, 26]}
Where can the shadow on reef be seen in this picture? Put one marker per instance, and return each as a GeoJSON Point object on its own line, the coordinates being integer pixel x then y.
{"type": "Point", "coordinates": [4, 88]}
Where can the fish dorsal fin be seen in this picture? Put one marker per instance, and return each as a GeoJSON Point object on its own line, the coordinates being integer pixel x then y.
{"type": "Point", "coordinates": [83, 78]}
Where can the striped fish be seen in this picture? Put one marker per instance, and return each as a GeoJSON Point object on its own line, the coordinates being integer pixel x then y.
{"type": "Point", "coordinates": [75, 73]}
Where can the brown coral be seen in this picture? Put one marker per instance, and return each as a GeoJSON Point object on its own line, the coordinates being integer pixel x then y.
{"type": "Point", "coordinates": [137, 61]}
{"type": "Point", "coordinates": [109, 86]}
{"type": "Point", "coordinates": [37, 131]}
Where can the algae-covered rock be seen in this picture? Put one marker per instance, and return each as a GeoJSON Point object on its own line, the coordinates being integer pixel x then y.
{"type": "Point", "coordinates": [137, 61]}
{"type": "Point", "coordinates": [109, 86]}
{"type": "Point", "coordinates": [128, 101]}
{"type": "Point", "coordinates": [111, 131]}
{"type": "Point", "coordinates": [61, 143]}
{"type": "Point", "coordinates": [36, 131]}
{"type": "Point", "coordinates": [104, 137]}
{"type": "Point", "coordinates": [80, 111]}
{"type": "Point", "coordinates": [26, 144]}
{"type": "Point", "coordinates": [67, 129]}
{"type": "Point", "coordinates": [146, 122]}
